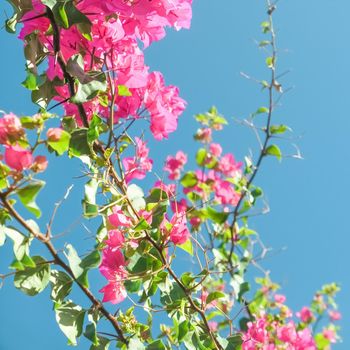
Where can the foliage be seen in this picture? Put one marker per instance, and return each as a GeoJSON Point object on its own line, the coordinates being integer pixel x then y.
{"type": "Point", "coordinates": [86, 56]}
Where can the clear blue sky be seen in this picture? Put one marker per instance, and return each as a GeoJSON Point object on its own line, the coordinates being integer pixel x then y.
{"type": "Point", "coordinates": [308, 199]}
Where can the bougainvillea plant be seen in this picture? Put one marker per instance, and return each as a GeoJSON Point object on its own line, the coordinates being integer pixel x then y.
{"type": "Point", "coordinates": [85, 60]}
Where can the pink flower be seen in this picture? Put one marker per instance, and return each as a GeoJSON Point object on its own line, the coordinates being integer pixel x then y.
{"type": "Point", "coordinates": [113, 268]}
{"type": "Point", "coordinates": [334, 315]}
{"type": "Point", "coordinates": [137, 167]}
{"type": "Point", "coordinates": [287, 333]}
{"type": "Point", "coordinates": [179, 232]}
{"type": "Point", "coordinates": [225, 192]}
{"type": "Point", "coordinates": [215, 149]}
{"type": "Point", "coordinates": [118, 218]}
{"type": "Point", "coordinates": [195, 221]}
{"type": "Point", "coordinates": [174, 165]}
{"type": "Point", "coordinates": [54, 134]}
{"type": "Point", "coordinates": [179, 206]}
{"type": "Point", "coordinates": [10, 128]}
{"type": "Point", "coordinates": [164, 105]}
{"type": "Point", "coordinates": [18, 158]}
{"type": "Point", "coordinates": [330, 335]}
{"type": "Point", "coordinates": [228, 166]}
{"type": "Point", "coordinates": [203, 135]}
{"type": "Point", "coordinates": [40, 164]}
{"type": "Point", "coordinates": [115, 239]}
{"type": "Point", "coordinates": [279, 298]}
{"type": "Point", "coordinates": [305, 315]}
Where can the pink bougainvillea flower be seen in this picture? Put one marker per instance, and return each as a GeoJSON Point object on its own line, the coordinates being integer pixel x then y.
{"type": "Point", "coordinates": [279, 298]}
{"type": "Point", "coordinates": [18, 158]}
{"type": "Point", "coordinates": [10, 128]}
{"type": "Point", "coordinates": [174, 165]}
{"type": "Point", "coordinates": [334, 315]}
{"type": "Point", "coordinates": [305, 315]}
{"type": "Point", "coordinates": [179, 232]}
{"type": "Point", "coordinates": [118, 218]}
{"type": "Point", "coordinates": [215, 149]}
{"type": "Point", "coordinates": [40, 164]}
{"type": "Point", "coordinates": [287, 333]}
{"type": "Point", "coordinates": [115, 239]}
{"type": "Point", "coordinates": [137, 167]}
{"type": "Point", "coordinates": [113, 268]}
{"type": "Point", "coordinates": [204, 135]}
{"type": "Point", "coordinates": [330, 334]}
{"type": "Point", "coordinates": [228, 166]}
{"type": "Point", "coordinates": [54, 134]}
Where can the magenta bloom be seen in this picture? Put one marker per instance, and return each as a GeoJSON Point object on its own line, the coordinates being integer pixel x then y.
{"type": "Point", "coordinates": [113, 268]}
{"type": "Point", "coordinates": [118, 218]}
{"type": "Point", "coordinates": [174, 165]}
{"type": "Point", "coordinates": [137, 167]}
{"type": "Point", "coordinates": [18, 158]}
{"type": "Point", "coordinates": [10, 128]}
{"type": "Point", "coordinates": [179, 233]}
{"type": "Point", "coordinates": [305, 314]}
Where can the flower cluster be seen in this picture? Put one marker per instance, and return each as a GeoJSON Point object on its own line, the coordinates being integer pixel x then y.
{"type": "Point", "coordinates": [17, 155]}
{"type": "Point", "coordinates": [112, 46]}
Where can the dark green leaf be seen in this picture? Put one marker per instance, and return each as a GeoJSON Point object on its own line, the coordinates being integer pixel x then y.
{"type": "Point", "coordinates": [79, 145]}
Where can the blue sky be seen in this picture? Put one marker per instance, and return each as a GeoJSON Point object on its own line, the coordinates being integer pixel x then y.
{"type": "Point", "coordinates": [308, 198]}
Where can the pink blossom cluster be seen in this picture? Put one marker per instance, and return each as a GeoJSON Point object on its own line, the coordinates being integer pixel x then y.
{"type": "Point", "coordinates": [175, 164]}
{"type": "Point", "coordinates": [136, 167]}
{"type": "Point", "coordinates": [113, 261]}
{"type": "Point", "coordinates": [117, 28]}
{"type": "Point", "coordinates": [267, 335]}
{"type": "Point", "coordinates": [16, 156]}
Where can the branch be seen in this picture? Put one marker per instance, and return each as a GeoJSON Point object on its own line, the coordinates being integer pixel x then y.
{"type": "Point", "coordinates": [58, 261]}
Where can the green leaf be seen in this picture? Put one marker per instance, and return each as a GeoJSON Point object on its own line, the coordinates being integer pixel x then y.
{"type": "Point", "coordinates": [74, 261]}
{"type": "Point", "coordinates": [278, 129]}
{"type": "Point", "coordinates": [20, 7]}
{"type": "Point", "coordinates": [28, 194]}
{"type": "Point", "coordinates": [270, 62]}
{"type": "Point", "coordinates": [89, 202]}
{"type": "Point", "coordinates": [44, 92]}
{"type": "Point", "coordinates": [49, 3]}
{"type": "Point", "coordinates": [274, 150]}
{"type": "Point", "coordinates": [216, 216]}
{"type": "Point", "coordinates": [124, 91]}
{"type": "Point", "coordinates": [103, 344]}
{"type": "Point", "coordinates": [20, 245]}
{"type": "Point", "coordinates": [75, 67]}
{"type": "Point", "coordinates": [136, 196]}
{"type": "Point", "coordinates": [187, 247]}
{"type": "Point", "coordinates": [200, 156]}
{"type": "Point", "coordinates": [214, 296]}
{"type": "Point", "coordinates": [156, 345]}
{"type": "Point", "coordinates": [61, 145]}
{"type": "Point", "coordinates": [234, 342]}
{"type": "Point", "coordinates": [30, 82]}
{"type": "Point", "coordinates": [79, 145]}
{"type": "Point", "coordinates": [91, 261]}
{"type": "Point", "coordinates": [189, 179]}
{"type": "Point", "coordinates": [2, 237]}
{"type": "Point", "coordinates": [70, 318]}
{"type": "Point", "coordinates": [244, 288]}
{"type": "Point", "coordinates": [61, 286]}
{"type": "Point", "coordinates": [135, 344]}
{"type": "Point", "coordinates": [32, 281]}
{"type": "Point", "coordinates": [88, 91]}
{"type": "Point", "coordinates": [63, 15]}
{"type": "Point", "coordinates": [133, 286]}
{"type": "Point", "coordinates": [262, 110]}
